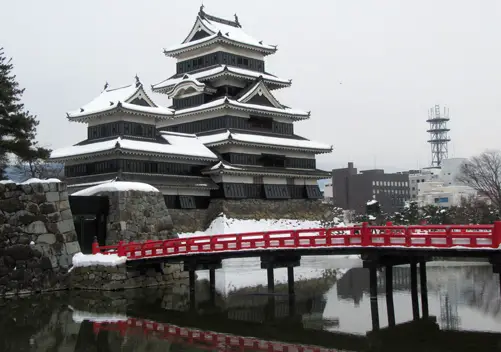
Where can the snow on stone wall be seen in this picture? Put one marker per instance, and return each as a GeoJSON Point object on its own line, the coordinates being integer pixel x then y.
{"type": "Point", "coordinates": [37, 236]}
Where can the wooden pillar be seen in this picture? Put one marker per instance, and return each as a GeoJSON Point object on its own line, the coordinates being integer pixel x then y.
{"type": "Point", "coordinates": [212, 285]}
{"type": "Point", "coordinates": [424, 289]}
{"type": "Point", "coordinates": [192, 289]}
{"type": "Point", "coordinates": [373, 293]}
{"type": "Point", "coordinates": [414, 291]}
{"type": "Point", "coordinates": [271, 292]}
{"type": "Point", "coordinates": [292, 293]}
{"type": "Point", "coordinates": [389, 295]}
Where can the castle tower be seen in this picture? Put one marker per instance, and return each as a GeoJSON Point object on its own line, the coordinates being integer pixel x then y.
{"type": "Point", "coordinates": [222, 93]}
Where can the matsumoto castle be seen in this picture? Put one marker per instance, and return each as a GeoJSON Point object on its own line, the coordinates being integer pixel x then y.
{"type": "Point", "coordinates": [224, 136]}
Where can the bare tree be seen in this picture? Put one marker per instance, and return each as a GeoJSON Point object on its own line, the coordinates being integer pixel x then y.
{"type": "Point", "coordinates": [483, 173]}
{"type": "Point", "coordinates": [42, 169]}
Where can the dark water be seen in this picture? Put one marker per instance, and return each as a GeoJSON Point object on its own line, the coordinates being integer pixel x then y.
{"type": "Point", "coordinates": [331, 311]}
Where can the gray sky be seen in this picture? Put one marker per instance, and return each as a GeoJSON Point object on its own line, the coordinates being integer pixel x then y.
{"type": "Point", "coordinates": [367, 69]}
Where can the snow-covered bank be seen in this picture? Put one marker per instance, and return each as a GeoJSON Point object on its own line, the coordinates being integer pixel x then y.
{"type": "Point", "coordinates": [223, 225]}
{"type": "Point", "coordinates": [79, 316]}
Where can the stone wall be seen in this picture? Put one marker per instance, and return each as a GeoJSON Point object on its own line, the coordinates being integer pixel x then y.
{"type": "Point", "coordinates": [137, 216]}
{"type": "Point", "coordinates": [189, 220]}
{"type": "Point", "coordinates": [37, 237]}
{"type": "Point", "coordinates": [115, 278]}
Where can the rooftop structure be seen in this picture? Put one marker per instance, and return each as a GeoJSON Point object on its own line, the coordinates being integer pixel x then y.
{"type": "Point", "coordinates": [225, 135]}
{"type": "Point", "coordinates": [439, 138]}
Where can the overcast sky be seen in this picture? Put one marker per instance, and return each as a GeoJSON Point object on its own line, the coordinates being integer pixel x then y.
{"type": "Point", "coordinates": [369, 70]}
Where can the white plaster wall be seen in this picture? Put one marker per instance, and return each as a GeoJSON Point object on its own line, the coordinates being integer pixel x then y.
{"type": "Point", "coordinates": [274, 180]}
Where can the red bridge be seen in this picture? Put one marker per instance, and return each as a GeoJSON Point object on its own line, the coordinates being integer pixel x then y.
{"type": "Point", "coordinates": [205, 340]}
{"type": "Point", "coordinates": [449, 239]}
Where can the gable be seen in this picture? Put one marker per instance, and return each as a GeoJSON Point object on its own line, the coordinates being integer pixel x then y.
{"type": "Point", "coordinates": [260, 100]}
{"type": "Point", "coordinates": [141, 98]}
{"type": "Point", "coordinates": [260, 94]}
{"type": "Point", "coordinates": [200, 34]}
{"type": "Point", "coordinates": [140, 101]}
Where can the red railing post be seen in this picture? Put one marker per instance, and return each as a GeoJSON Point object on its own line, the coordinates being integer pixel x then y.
{"type": "Point", "coordinates": [448, 236]}
{"type": "Point", "coordinates": [121, 249]}
{"type": "Point", "coordinates": [95, 246]}
{"type": "Point", "coordinates": [365, 234]}
{"type": "Point", "coordinates": [387, 233]}
{"type": "Point", "coordinates": [496, 234]}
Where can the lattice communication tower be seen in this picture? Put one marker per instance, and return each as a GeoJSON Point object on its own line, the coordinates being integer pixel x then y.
{"type": "Point", "coordinates": [439, 137]}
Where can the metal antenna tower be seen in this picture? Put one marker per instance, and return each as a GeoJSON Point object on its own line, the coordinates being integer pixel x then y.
{"type": "Point", "coordinates": [439, 138]}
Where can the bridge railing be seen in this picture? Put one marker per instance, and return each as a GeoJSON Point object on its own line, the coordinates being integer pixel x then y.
{"type": "Point", "coordinates": [431, 236]}
{"type": "Point", "coordinates": [206, 340]}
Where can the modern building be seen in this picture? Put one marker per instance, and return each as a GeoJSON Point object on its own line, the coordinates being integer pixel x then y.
{"type": "Point", "coordinates": [328, 193]}
{"type": "Point", "coordinates": [440, 186]}
{"type": "Point", "coordinates": [419, 176]}
{"type": "Point", "coordinates": [352, 190]}
{"type": "Point", "coordinates": [225, 135]}
{"type": "Point", "coordinates": [436, 193]}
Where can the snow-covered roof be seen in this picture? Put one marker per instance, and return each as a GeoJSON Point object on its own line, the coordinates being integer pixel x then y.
{"type": "Point", "coordinates": [222, 70]}
{"type": "Point", "coordinates": [111, 99]}
{"type": "Point", "coordinates": [218, 30]}
{"type": "Point", "coordinates": [177, 145]}
{"type": "Point", "coordinates": [224, 103]}
{"type": "Point", "coordinates": [189, 84]}
{"type": "Point", "coordinates": [264, 141]}
{"type": "Point", "coordinates": [223, 165]}
{"type": "Point", "coordinates": [227, 168]}
{"type": "Point", "coordinates": [116, 186]}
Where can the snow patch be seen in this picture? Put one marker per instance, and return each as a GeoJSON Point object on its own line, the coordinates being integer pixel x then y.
{"type": "Point", "coordinates": [32, 180]}
{"type": "Point", "coordinates": [84, 260]}
{"type": "Point", "coordinates": [81, 316]}
{"type": "Point", "coordinates": [371, 202]}
{"type": "Point", "coordinates": [116, 186]}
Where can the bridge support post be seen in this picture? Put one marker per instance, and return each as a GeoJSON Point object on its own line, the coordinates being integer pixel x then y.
{"type": "Point", "coordinates": [271, 293]}
{"type": "Point", "coordinates": [373, 293]}
{"type": "Point", "coordinates": [389, 295]}
{"type": "Point", "coordinates": [192, 289]}
{"type": "Point", "coordinates": [212, 285]}
{"type": "Point", "coordinates": [414, 291]}
{"type": "Point", "coordinates": [424, 289]}
{"type": "Point", "coordinates": [292, 293]}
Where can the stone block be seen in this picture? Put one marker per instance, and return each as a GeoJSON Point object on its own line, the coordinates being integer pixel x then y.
{"type": "Point", "coordinates": [64, 204]}
{"type": "Point", "coordinates": [54, 217]}
{"type": "Point", "coordinates": [36, 227]}
{"type": "Point", "coordinates": [63, 195]}
{"type": "Point", "coordinates": [70, 236]}
{"type": "Point", "coordinates": [65, 226]}
{"type": "Point", "coordinates": [66, 214]}
{"type": "Point", "coordinates": [72, 247]}
{"type": "Point", "coordinates": [11, 205]}
{"type": "Point", "coordinates": [47, 208]}
{"type": "Point", "coordinates": [48, 238]}
{"type": "Point", "coordinates": [32, 208]}
{"type": "Point", "coordinates": [52, 197]}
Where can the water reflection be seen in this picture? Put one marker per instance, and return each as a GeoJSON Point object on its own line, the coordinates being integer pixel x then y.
{"type": "Point", "coordinates": [331, 311]}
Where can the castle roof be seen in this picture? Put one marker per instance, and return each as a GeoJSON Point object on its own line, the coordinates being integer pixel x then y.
{"type": "Point", "coordinates": [228, 103]}
{"type": "Point", "coordinates": [131, 99]}
{"type": "Point", "coordinates": [221, 71]}
{"type": "Point", "coordinates": [170, 144]}
{"type": "Point", "coordinates": [265, 141]}
{"type": "Point", "coordinates": [210, 29]}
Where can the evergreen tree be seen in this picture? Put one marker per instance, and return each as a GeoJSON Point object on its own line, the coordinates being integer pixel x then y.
{"type": "Point", "coordinates": [17, 126]}
{"type": "Point", "coordinates": [410, 214]}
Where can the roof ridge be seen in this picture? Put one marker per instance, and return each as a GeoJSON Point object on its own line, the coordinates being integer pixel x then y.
{"type": "Point", "coordinates": [113, 89]}
{"type": "Point", "coordinates": [205, 16]}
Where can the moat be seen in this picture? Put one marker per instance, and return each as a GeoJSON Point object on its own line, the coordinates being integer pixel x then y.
{"type": "Point", "coordinates": [331, 311]}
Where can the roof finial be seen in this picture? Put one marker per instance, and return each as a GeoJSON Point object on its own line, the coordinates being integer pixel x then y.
{"type": "Point", "coordinates": [106, 85]}
{"type": "Point", "coordinates": [236, 20]}
{"type": "Point", "coordinates": [201, 13]}
{"type": "Point", "coordinates": [138, 82]}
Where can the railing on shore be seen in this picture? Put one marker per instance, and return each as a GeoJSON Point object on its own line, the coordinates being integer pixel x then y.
{"type": "Point", "coordinates": [419, 236]}
{"type": "Point", "coordinates": [207, 340]}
